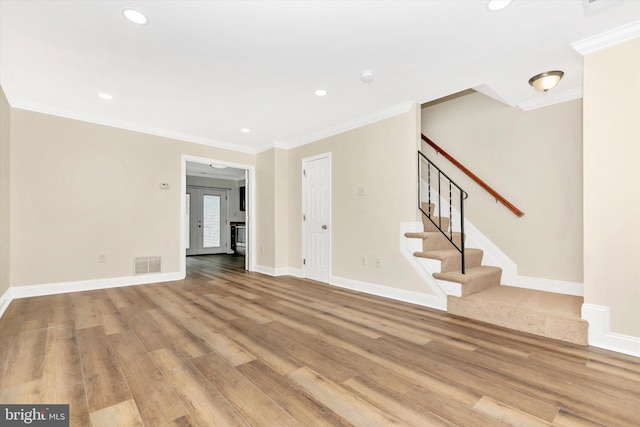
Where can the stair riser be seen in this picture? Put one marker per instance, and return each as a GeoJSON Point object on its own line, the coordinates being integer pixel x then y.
{"type": "Point", "coordinates": [542, 324]}
{"type": "Point", "coordinates": [439, 241]}
{"type": "Point", "coordinates": [429, 226]}
{"type": "Point", "coordinates": [473, 259]}
{"type": "Point", "coordinates": [476, 284]}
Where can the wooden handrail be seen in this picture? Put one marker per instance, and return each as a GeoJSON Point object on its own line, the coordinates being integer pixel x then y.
{"type": "Point", "coordinates": [471, 175]}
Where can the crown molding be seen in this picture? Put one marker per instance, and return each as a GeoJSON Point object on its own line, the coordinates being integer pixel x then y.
{"type": "Point", "coordinates": [607, 39]}
{"type": "Point", "coordinates": [556, 98]}
{"type": "Point", "coordinates": [119, 124]}
{"type": "Point", "coordinates": [350, 125]}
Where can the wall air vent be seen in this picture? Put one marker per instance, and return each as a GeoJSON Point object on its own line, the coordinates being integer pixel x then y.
{"type": "Point", "coordinates": [147, 264]}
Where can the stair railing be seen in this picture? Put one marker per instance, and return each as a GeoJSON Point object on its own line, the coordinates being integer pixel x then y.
{"type": "Point", "coordinates": [434, 177]}
{"type": "Point", "coordinates": [471, 175]}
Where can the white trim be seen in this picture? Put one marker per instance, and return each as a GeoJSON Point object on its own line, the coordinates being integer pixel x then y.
{"type": "Point", "coordinates": [350, 125]}
{"type": "Point", "coordinates": [600, 334]}
{"type": "Point", "coordinates": [607, 39]}
{"type": "Point", "coordinates": [120, 124]}
{"type": "Point", "coordinates": [269, 271]}
{"type": "Point", "coordinates": [548, 285]}
{"type": "Point", "coordinates": [418, 298]}
{"type": "Point", "coordinates": [295, 272]}
{"type": "Point", "coordinates": [27, 291]}
{"type": "Point", "coordinates": [280, 271]}
{"type": "Point", "coordinates": [249, 213]}
{"type": "Point", "coordinates": [5, 300]}
{"type": "Point", "coordinates": [544, 100]}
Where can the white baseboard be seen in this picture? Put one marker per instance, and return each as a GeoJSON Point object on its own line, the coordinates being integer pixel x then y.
{"type": "Point", "coordinates": [295, 272]}
{"type": "Point", "coordinates": [600, 334]}
{"type": "Point", "coordinates": [5, 300]}
{"type": "Point", "coordinates": [426, 300]}
{"type": "Point", "coordinates": [548, 285]}
{"type": "Point", "coordinates": [280, 271]}
{"type": "Point", "coordinates": [16, 292]}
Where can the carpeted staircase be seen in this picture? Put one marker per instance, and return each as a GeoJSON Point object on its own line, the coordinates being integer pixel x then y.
{"type": "Point", "coordinates": [479, 294]}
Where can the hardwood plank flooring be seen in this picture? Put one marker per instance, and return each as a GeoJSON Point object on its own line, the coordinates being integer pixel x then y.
{"type": "Point", "coordinates": [226, 347]}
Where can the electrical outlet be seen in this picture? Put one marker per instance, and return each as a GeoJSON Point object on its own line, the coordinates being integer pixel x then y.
{"type": "Point", "coordinates": [378, 262]}
{"type": "Point", "coordinates": [102, 258]}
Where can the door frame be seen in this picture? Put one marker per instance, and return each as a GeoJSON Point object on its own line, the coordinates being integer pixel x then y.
{"type": "Point", "coordinates": [250, 173]}
{"type": "Point", "coordinates": [329, 240]}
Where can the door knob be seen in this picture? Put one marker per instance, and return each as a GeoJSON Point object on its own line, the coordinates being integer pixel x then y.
{"type": "Point", "coordinates": [324, 227]}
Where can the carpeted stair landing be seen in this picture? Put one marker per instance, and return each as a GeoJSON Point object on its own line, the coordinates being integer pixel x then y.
{"type": "Point", "coordinates": [541, 313]}
{"type": "Point", "coordinates": [485, 299]}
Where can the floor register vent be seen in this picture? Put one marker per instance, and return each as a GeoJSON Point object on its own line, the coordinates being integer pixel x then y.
{"type": "Point", "coordinates": [147, 264]}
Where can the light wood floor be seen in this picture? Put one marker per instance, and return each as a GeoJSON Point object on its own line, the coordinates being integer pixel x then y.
{"type": "Point", "coordinates": [231, 348]}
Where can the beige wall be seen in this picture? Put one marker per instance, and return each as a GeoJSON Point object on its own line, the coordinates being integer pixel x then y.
{"type": "Point", "coordinates": [272, 201]}
{"type": "Point", "coordinates": [382, 158]}
{"type": "Point", "coordinates": [611, 177]}
{"type": "Point", "coordinates": [5, 134]}
{"type": "Point", "coordinates": [79, 190]}
{"type": "Point", "coordinates": [281, 205]}
{"type": "Point", "coordinates": [265, 195]}
{"type": "Point", "coordinates": [534, 159]}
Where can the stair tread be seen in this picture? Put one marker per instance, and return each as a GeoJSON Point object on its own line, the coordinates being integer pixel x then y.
{"type": "Point", "coordinates": [530, 299]}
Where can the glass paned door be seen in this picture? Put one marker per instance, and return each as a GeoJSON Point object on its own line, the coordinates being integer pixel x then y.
{"type": "Point", "coordinates": [211, 221]}
{"type": "Point", "coordinates": [207, 219]}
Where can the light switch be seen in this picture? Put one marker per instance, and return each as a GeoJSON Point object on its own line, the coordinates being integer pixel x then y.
{"type": "Point", "coordinates": [361, 191]}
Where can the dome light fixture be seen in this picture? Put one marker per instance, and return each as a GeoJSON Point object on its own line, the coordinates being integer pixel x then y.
{"type": "Point", "coordinates": [105, 95]}
{"type": "Point", "coordinates": [320, 92]}
{"type": "Point", "coordinates": [135, 16]}
{"type": "Point", "coordinates": [547, 80]}
{"type": "Point", "coordinates": [245, 130]}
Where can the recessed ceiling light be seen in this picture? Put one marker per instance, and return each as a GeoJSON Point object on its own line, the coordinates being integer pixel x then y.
{"type": "Point", "coordinates": [135, 16]}
{"type": "Point", "coordinates": [495, 5]}
{"type": "Point", "coordinates": [104, 95]}
{"type": "Point", "coordinates": [320, 92]}
{"type": "Point", "coordinates": [245, 130]}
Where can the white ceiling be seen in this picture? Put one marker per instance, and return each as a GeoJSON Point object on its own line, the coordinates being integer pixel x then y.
{"type": "Point", "coordinates": [207, 171]}
{"type": "Point", "coordinates": [201, 70]}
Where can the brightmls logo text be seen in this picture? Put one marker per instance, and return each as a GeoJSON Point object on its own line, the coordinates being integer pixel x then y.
{"type": "Point", "coordinates": [34, 415]}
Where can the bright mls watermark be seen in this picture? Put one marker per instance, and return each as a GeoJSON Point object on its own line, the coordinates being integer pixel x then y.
{"type": "Point", "coordinates": [34, 415]}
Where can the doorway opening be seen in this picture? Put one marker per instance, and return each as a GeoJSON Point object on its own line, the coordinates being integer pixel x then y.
{"type": "Point", "coordinates": [216, 218]}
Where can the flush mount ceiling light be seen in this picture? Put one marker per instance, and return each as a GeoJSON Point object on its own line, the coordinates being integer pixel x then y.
{"type": "Point", "coordinates": [217, 166]}
{"type": "Point", "coordinates": [245, 130]}
{"type": "Point", "coordinates": [547, 80]}
{"type": "Point", "coordinates": [495, 5]}
{"type": "Point", "coordinates": [366, 76]}
{"type": "Point", "coordinates": [135, 16]}
{"type": "Point", "coordinates": [104, 95]}
{"type": "Point", "coordinates": [320, 92]}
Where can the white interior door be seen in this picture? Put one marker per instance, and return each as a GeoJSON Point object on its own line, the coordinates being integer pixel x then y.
{"type": "Point", "coordinates": [316, 210]}
{"type": "Point", "coordinates": [206, 219]}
